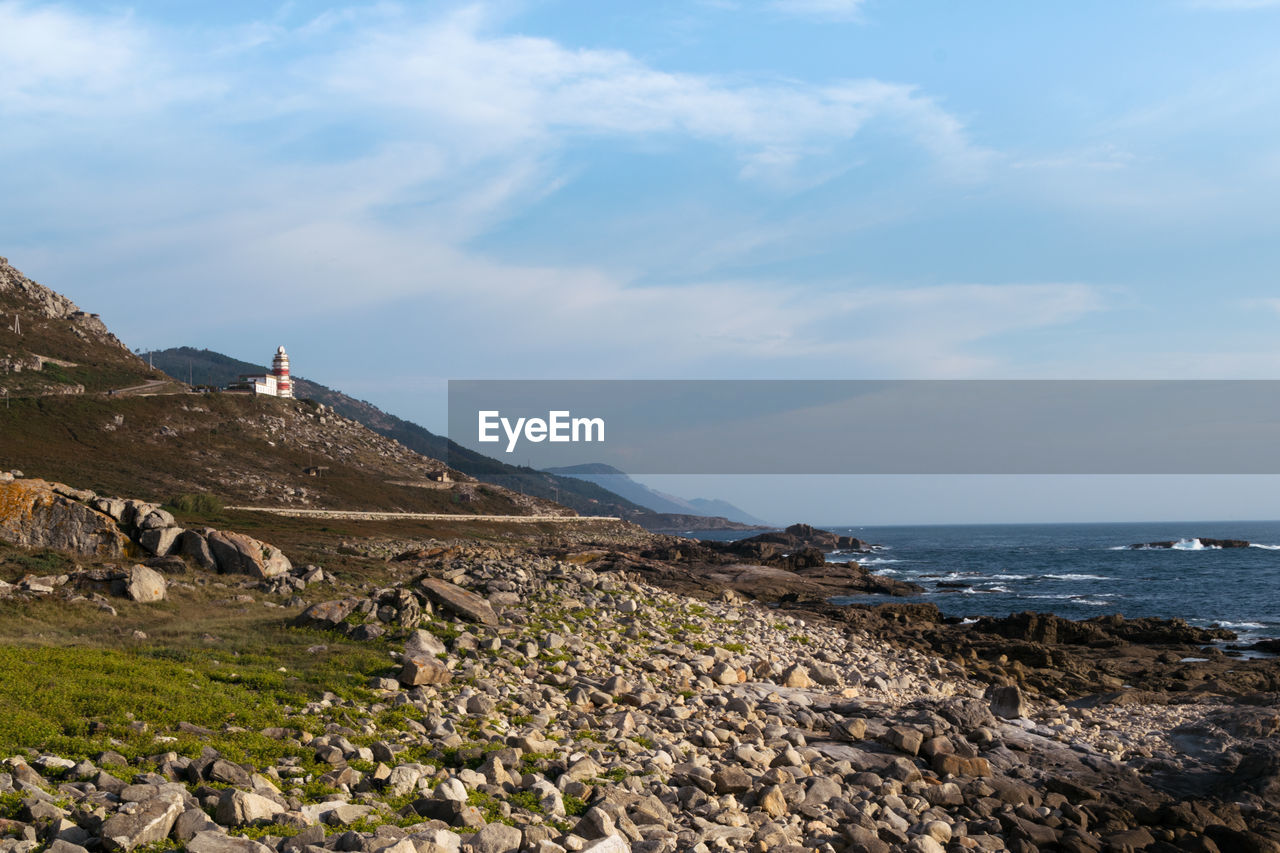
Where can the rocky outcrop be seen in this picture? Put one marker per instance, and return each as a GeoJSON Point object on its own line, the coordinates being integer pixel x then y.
{"type": "Point", "coordinates": [38, 514]}
{"type": "Point", "coordinates": [793, 538]}
{"type": "Point", "coordinates": [459, 601]}
{"type": "Point", "coordinates": [238, 554]}
{"type": "Point", "coordinates": [1190, 544]}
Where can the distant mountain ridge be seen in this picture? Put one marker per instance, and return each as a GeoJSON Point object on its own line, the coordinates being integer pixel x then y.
{"type": "Point", "coordinates": [206, 367]}
{"type": "Point", "coordinates": [620, 483]}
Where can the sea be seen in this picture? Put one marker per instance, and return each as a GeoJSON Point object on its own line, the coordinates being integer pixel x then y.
{"type": "Point", "coordinates": [1084, 570]}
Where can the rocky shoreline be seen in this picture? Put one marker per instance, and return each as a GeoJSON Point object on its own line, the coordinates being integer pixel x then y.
{"type": "Point", "coordinates": [656, 695]}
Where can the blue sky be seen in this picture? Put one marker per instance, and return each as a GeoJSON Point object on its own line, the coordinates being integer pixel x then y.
{"type": "Point", "coordinates": [407, 193]}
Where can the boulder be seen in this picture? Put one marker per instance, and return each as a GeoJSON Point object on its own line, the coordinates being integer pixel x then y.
{"type": "Point", "coordinates": [156, 519]}
{"type": "Point", "coordinates": [237, 808]}
{"type": "Point", "coordinates": [160, 541]}
{"type": "Point", "coordinates": [423, 643]}
{"type": "Point", "coordinates": [32, 514]}
{"type": "Point", "coordinates": [421, 669]}
{"type": "Point", "coordinates": [1008, 702]}
{"type": "Point", "coordinates": [326, 615]}
{"type": "Point", "coordinates": [497, 838]}
{"type": "Point", "coordinates": [193, 544]}
{"type": "Point", "coordinates": [219, 842]}
{"type": "Point", "coordinates": [149, 824]}
{"type": "Point", "coordinates": [238, 554]}
{"type": "Point", "coordinates": [144, 585]}
{"type": "Point", "coordinates": [460, 602]}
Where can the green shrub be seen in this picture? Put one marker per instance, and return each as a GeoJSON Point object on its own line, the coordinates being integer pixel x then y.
{"type": "Point", "coordinates": [197, 503]}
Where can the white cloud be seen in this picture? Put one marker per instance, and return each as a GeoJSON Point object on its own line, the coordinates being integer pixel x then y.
{"type": "Point", "coordinates": [57, 61]}
{"type": "Point", "coordinates": [499, 92]}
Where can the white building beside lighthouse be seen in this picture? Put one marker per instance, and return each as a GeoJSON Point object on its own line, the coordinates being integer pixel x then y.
{"type": "Point", "coordinates": [274, 384]}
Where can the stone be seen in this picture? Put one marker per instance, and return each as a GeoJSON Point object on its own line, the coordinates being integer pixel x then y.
{"type": "Point", "coordinates": [144, 585]}
{"type": "Point", "coordinates": [238, 808]}
{"type": "Point", "coordinates": [423, 643]}
{"type": "Point", "coordinates": [161, 541]}
{"type": "Point", "coordinates": [33, 515]}
{"type": "Point", "coordinates": [424, 670]}
{"type": "Point", "coordinates": [773, 802]}
{"type": "Point", "coordinates": [496, 838]}
{"type": "Point", "coordinates": [326, 615]}
{"type": "Point", "coordinates": [459, 601]}
{"type": "Point", "coordinates": [155, 519]}
{"type": "Point", "coordinates": [193, 544]}
{"type": "Point", "coordinates": [731, 779]}
{"type": "Point", "coordinates": [221, 770]}
{"type": "Point", "coordinates": [239, 554]}
{"type": "Point", "coordinates": [402, 780]}
{"type": "Point", "coordinates": [1008, 702]}
{"type": "Point", "coordinates": [796, 676]}
{"type": "Point", "coordinates": [61, 845]}
{"type": "Point", "coordinates": [950, 764]}
{"type": "Point", "coordinates": [905, 739]}
{"type": "Point", "coordinates": [609, 844]}
{"type": "Point", "coordinates": [150, 823]}
{"type": "Point", "coordinates": [218, 842]}
{"type": "Point", "coordinates": [192, 822]}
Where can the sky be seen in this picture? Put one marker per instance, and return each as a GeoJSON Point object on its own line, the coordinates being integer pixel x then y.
{"type": "Point", "coordinates": [405, 194]}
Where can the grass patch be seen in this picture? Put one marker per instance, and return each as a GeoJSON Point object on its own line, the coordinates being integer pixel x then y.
{"type": "Point", "coordinates": [203, 503]}
{"type": "Point", "coordinates": [574, 806]}
{"type": "Point", "coordinates": [63, 667]}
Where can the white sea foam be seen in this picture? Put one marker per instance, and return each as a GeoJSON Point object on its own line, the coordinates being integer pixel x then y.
{"type": "Point", "coordinates": [881, 561]}
{"type": "Point", "coordinates": [1076, 577]}
{"type": "Point", "coordinates": [1194, 545]}
{"type": "Point", "coordinates": [1097, 602]}
{"type": "Point", "coordinates": [996, 589]}
{"type": "Point", "coordinates": [1265, 547]}
{"type": "Point", "coordinates": [1009, 577]}
{"type": "Point", "coordinates": [968, 621]}
{"type": "Point", "coordinates": [1241, 625]}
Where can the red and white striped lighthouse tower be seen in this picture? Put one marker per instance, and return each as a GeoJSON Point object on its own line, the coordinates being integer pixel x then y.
{"type": "Point", "coordinates": [280, 370]}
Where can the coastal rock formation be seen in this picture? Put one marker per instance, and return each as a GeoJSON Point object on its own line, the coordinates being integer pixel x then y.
{"type": "Point", "coordinates": [236, 553]}
{"type": "Point", "coordinates": [1191, 544]}
{"type": "Point", "coordinates": [37, 514]}
{"type": "Point", "coordinates": [605, 713]}
{"type": "Point", "coordinates": [794, 538]}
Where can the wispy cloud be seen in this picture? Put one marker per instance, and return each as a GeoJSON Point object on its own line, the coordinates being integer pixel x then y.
{"type": "Point", "coordinates": [839, 10]}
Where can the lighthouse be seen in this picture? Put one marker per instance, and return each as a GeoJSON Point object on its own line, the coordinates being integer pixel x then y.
{"type": "Point", "coordinates": [280, 370]}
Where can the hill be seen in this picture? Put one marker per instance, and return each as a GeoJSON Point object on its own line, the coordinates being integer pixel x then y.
{"type": "Point", "coordinates": [48, 345]}
{"type": "Point", "coordinates": [81, 408]}
{"type": "Point", "coordinates": [205, 367]}
{"type": "Point", "coordinates": [618, 482]}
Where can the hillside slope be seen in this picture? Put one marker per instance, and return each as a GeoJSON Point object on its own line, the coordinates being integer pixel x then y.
{"type": "Point", "coordinates": [618, 482]}
{"type": "Point", "coordinates": [205, 367]}
{"type": "Point", "coordinates": [49, 346]}
{"type": "Point", "coordinates": [249, 450]}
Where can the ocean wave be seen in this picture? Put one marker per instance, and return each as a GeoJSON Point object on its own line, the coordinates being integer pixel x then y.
{"type": "Point", "coordinates": [1096, 602]}
{"type": "Point", "coordinates": [996, 589]}
{"type": "Point", "coordinates": [881, 561]}
{"type": "Point", "coordinates": [1077, 577]}
{"type": "Point", "coordinates": [1234, 625]}
{"type": "Point", "coordinates": [1264, 547]}
{"type": "Point", "coordinates": [1009, 577]}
